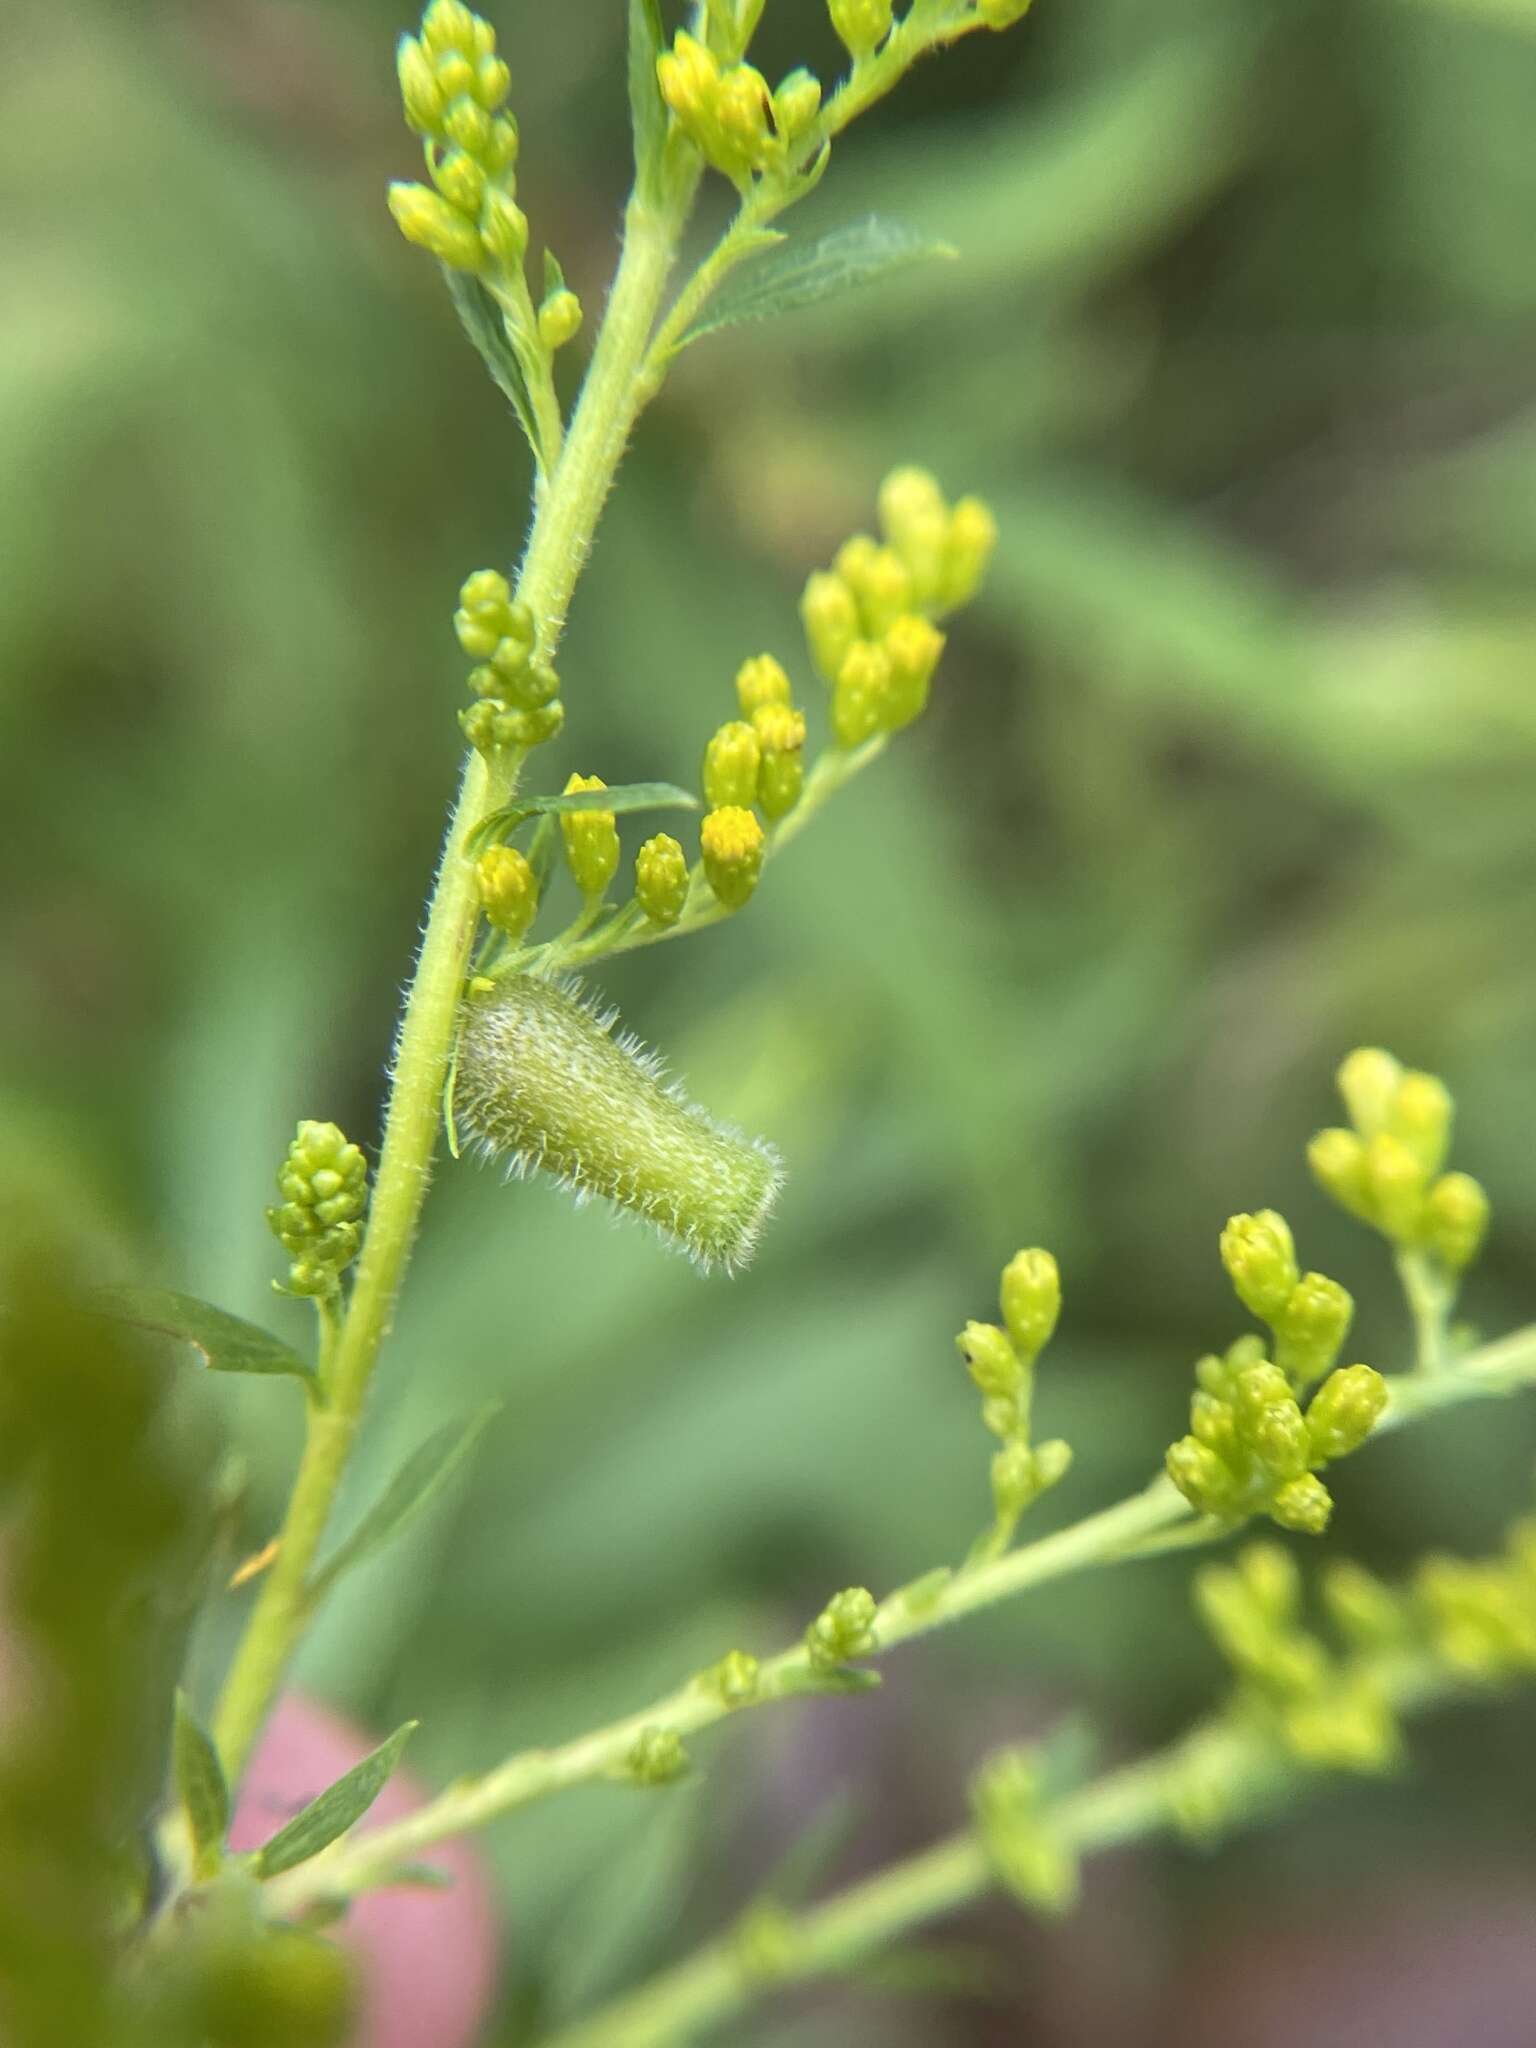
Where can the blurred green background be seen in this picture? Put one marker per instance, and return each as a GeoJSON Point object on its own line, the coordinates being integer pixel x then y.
{"type": "Point", "coordinates": [1231, 768]}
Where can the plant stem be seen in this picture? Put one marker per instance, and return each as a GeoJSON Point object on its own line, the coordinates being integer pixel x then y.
{"type": "Point", "coordinates": [1236, 1761]}
{"type": "Point", "coordinates": [561, 537]}
{"type": "Point", "coordinates": [1430, 1296]}
{"type": "Point", "coordinates": [1144, 1525]}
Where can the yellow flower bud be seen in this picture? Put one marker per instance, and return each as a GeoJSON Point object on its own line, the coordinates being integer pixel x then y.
{"type": "Point", "coordinates": [509, 890]}
{"type": "Point", "coordinates": [1261, 1262]}
{"type": "Point", "coordinates": [1304, 1505]}
{"type": "Point", "coordinates": [1455, 1219]}
{"type": "Point", "coordinates": [913, 647]}
{"type": "Point", "coordinates": [688, 77]}
{"type": "Point", "coordinates": [878, 578]}
{"type": "Point", "coordinates": [425, 218]}
{"type": "Point", "coordinates": [1368, 1081]}
{"type": "Point", "coordinates": [731, 841]}
{"type": "Point", "coordinates": [559, 318]}
{"type": "Point", "coordinates": [731, 762]}
{"type": "Point", "coordinates": [862, 25]}
{"type": "Point", "coordinates": [1311, 1327]}
{"type": "Point", "coordinates": [500, 151]}
{"type": "Point", "coordinates": [830, 614]}
{"type": "Point", "coordinates": [661, 879]}
{"type": "Point", "coordinates": [1421, 1117]}
{"type": "Point", "coordinates": [455, 74]}
{"type": "Point", "coordinates": [420, 94]}
{"type": "Point", "coordinates": [449, 25]}
{"type": "Point", "coordinates": [1031, 1300]}
{"type": "Point", "coordinates": [761, 681]}
{"type": "Point", "coordinates": [781, 778]}
{"type": "Point", "coordinates": [915, 520]}
{"type": "Point", "coordinates": [493, 81]}
{"type": "Point", "coordinates": [741, 110]}
{"type": "Point", "coordinates": [591, 840]}
{"type": "Point", "coordinates": [468, 126]}
{"type": "Point", "coordinates": [461, 181]}
{"type": "Point", "coordinates": [1344, 1411]}
{"type": "Point", "coordinates": [504, 230]}
{"type": "Point", "coordinates": [796, 103]}
{"type": "Point", "coordinates": [861, 697]}
{"type": "Point", "coordinates": [1337, 1160]}
{"type": "Point", "coordinates": [972, 538]}
{"type": "Point", "coordinates": [1396, 1183]}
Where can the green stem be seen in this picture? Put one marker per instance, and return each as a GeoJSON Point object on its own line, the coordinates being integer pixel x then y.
{"type": "Point", "coordinates": [564, 523]}
{"type": "Point", "coordinates": [1236, 1761]}
{"type": "Point", "coordinates": [1430, 1297]}
{"type": "Point", "coordinates": [1148, 1523]}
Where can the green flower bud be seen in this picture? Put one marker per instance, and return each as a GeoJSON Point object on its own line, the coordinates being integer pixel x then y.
{"type": "Point", "coordinates": [915, 520]}
{"type": "Point", "coordinates": [1205, 1481]}
{"type": "Point", "coordinates": [1304, 1505]}
{"type": "Point", "coordinates": [425, 218]}
{"type": "Point", "coordinates": [760, 682]}
{"type": "Point", "coordinates": [461, 181]}
{"type": "Point", "coordinates": [862, 25]}
{"type": "Point", "coordinates": [796, 103]}
{"type": "Point", "coordinates": [509, 890]}
{"type": "Point", "coordinates": [591, 840]}
{"type": "Point", "coordinates": [661, 879]}
{"type": "Point", "coordinates": [731, 762]}
{"type": "Point", "coordinates": [990, 1359]}
{"type": "Point", "coordinates": [781, 775]}
{"type": "Point", "coordinates": [862, 694]}
{"type": "Point", "coordinates": [1028, 1856]}
{"type": "Point", "coordinates": [1421, 1117]}
{"type": "Point", "coordinates": [1364, 1611]}
{"type": "Point", "coordinates": [1396, 1183]}
{"type": "Point", "coordinates": [1260, 1259]}
{"type": "Point", "coordinates": [742, 136]}
{"type": "Point", "coordinates": [844, 1628]}
{"type": "Point", "coordinates": [1350, 1728]}
{"type": "Point", "coordinates": [913, 647]}
{"type": "Point", "coordinates": [734, 1680]}
{"type": "Point", "coordinates": [657, 1757]}
{"type": "Point", "coordinates": [559, 318]}
{"type": "Point", "coordinates": [1214, 1421]}
{"type": "Point", "coordinates": [455, 74]}
{"type": "Point", "coordinates": [1278, 1438]}
{"type": "Point", "coordinates": [1455, 1219]}
{"type": "Point", "coordinates": [1031, 1300]}
{"type": "Point", "coordinates": [324, 1185]}
{"type": "Point", "coordinates": [1368, 1081]}
{"type": "Point", "coordinates": [1053, 1461]}
{"type": "Point", "coordinates": [276, 1984]}
{"type": "Point", "coordinates": [488, 591]}
{"type": "Point", "coordinates": [1014, 1487]}
{"type": "Point", "coordinates": [1337, 1160]}
{"type": "Point", "coordinates": [1312, 1326]}
{"type": "Point", "coordinates": [496, 724]}
{"type": "Point", "coordinates": [420, 94]}
{"type": "Point", "coordinates": [1270, 1578]}
{"type": "Point", "coordinates": [968, 551]}
{"type": "Point", "coordinates": [1344, 1411]}
{"type": "Point", "coordinates": [830, 614]}
{"type": "Point", "coordinates": [448, 25]}
{"type": "Point", "coordinates": [1256, 1386]}
{"type": "Point", "coordinates": [731, 842]}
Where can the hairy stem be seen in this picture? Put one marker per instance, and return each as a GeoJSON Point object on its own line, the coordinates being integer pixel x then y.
{"type": "Point", "coordinates": [561, 537]}
{"type": "Point", "coordinates": [1141, 1526]}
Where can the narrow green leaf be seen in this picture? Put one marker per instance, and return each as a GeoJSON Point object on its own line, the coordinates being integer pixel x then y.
{"type": "Point", "coordinates": [629, 796]}
{"type": "Point", "coordinates": [337, 1808]}
{"type": "Point", "coordinates": [228, 1343]}
{"type": "Point", "coordinates": [647, 108]}
{"type": "Point", "coordinates": [480, 317]}
{"type": "Point", "coordinates": [420, 1479]}
{"type": "Point", "coordinates": [554, 276]}
{"type": "Point", "coordinates": [801, 274]}
{"type": "Point", "coordinates": [201, 1789]}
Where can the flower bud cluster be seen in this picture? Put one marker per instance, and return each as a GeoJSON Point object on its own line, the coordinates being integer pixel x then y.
{"type": "Point", "coordinates": [1253, 1450]}
{"type": "Point", "coordinates": [1029, 1857]}
{"type": "Point", "coordinates": [517, 701]}
{"type": "Point", "coordinates": [1387, 1167]}
{"type": "Point", "coordinates": [657, 1757]}
{"type": "Point", "coordinates": [1001, 1361]}
{"type": "Point", "coordinates": [453, 87]}
{"type": "Point", "coordinates": [1326, 1711]}
{"type": "Point", "coordinates": [324, 1185]}
{"type": "Point", "coordinates": [869, 619]}
{"type": "Point", "coordinates": [844, 1628]}
{"type": "Point", "coordinates": [1481, 1616]}
{"type": "Point", "coordinates": [1308, 1313]}
{"type": "Point", "coordinates": [739, 127]}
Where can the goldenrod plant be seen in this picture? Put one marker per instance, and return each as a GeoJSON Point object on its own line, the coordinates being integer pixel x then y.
{"type": "Point", "coordinates": [506, 1047]}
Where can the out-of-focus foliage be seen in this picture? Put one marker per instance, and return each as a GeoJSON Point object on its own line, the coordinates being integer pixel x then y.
{"type": "Point", "coordinates": [1231, 769]}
